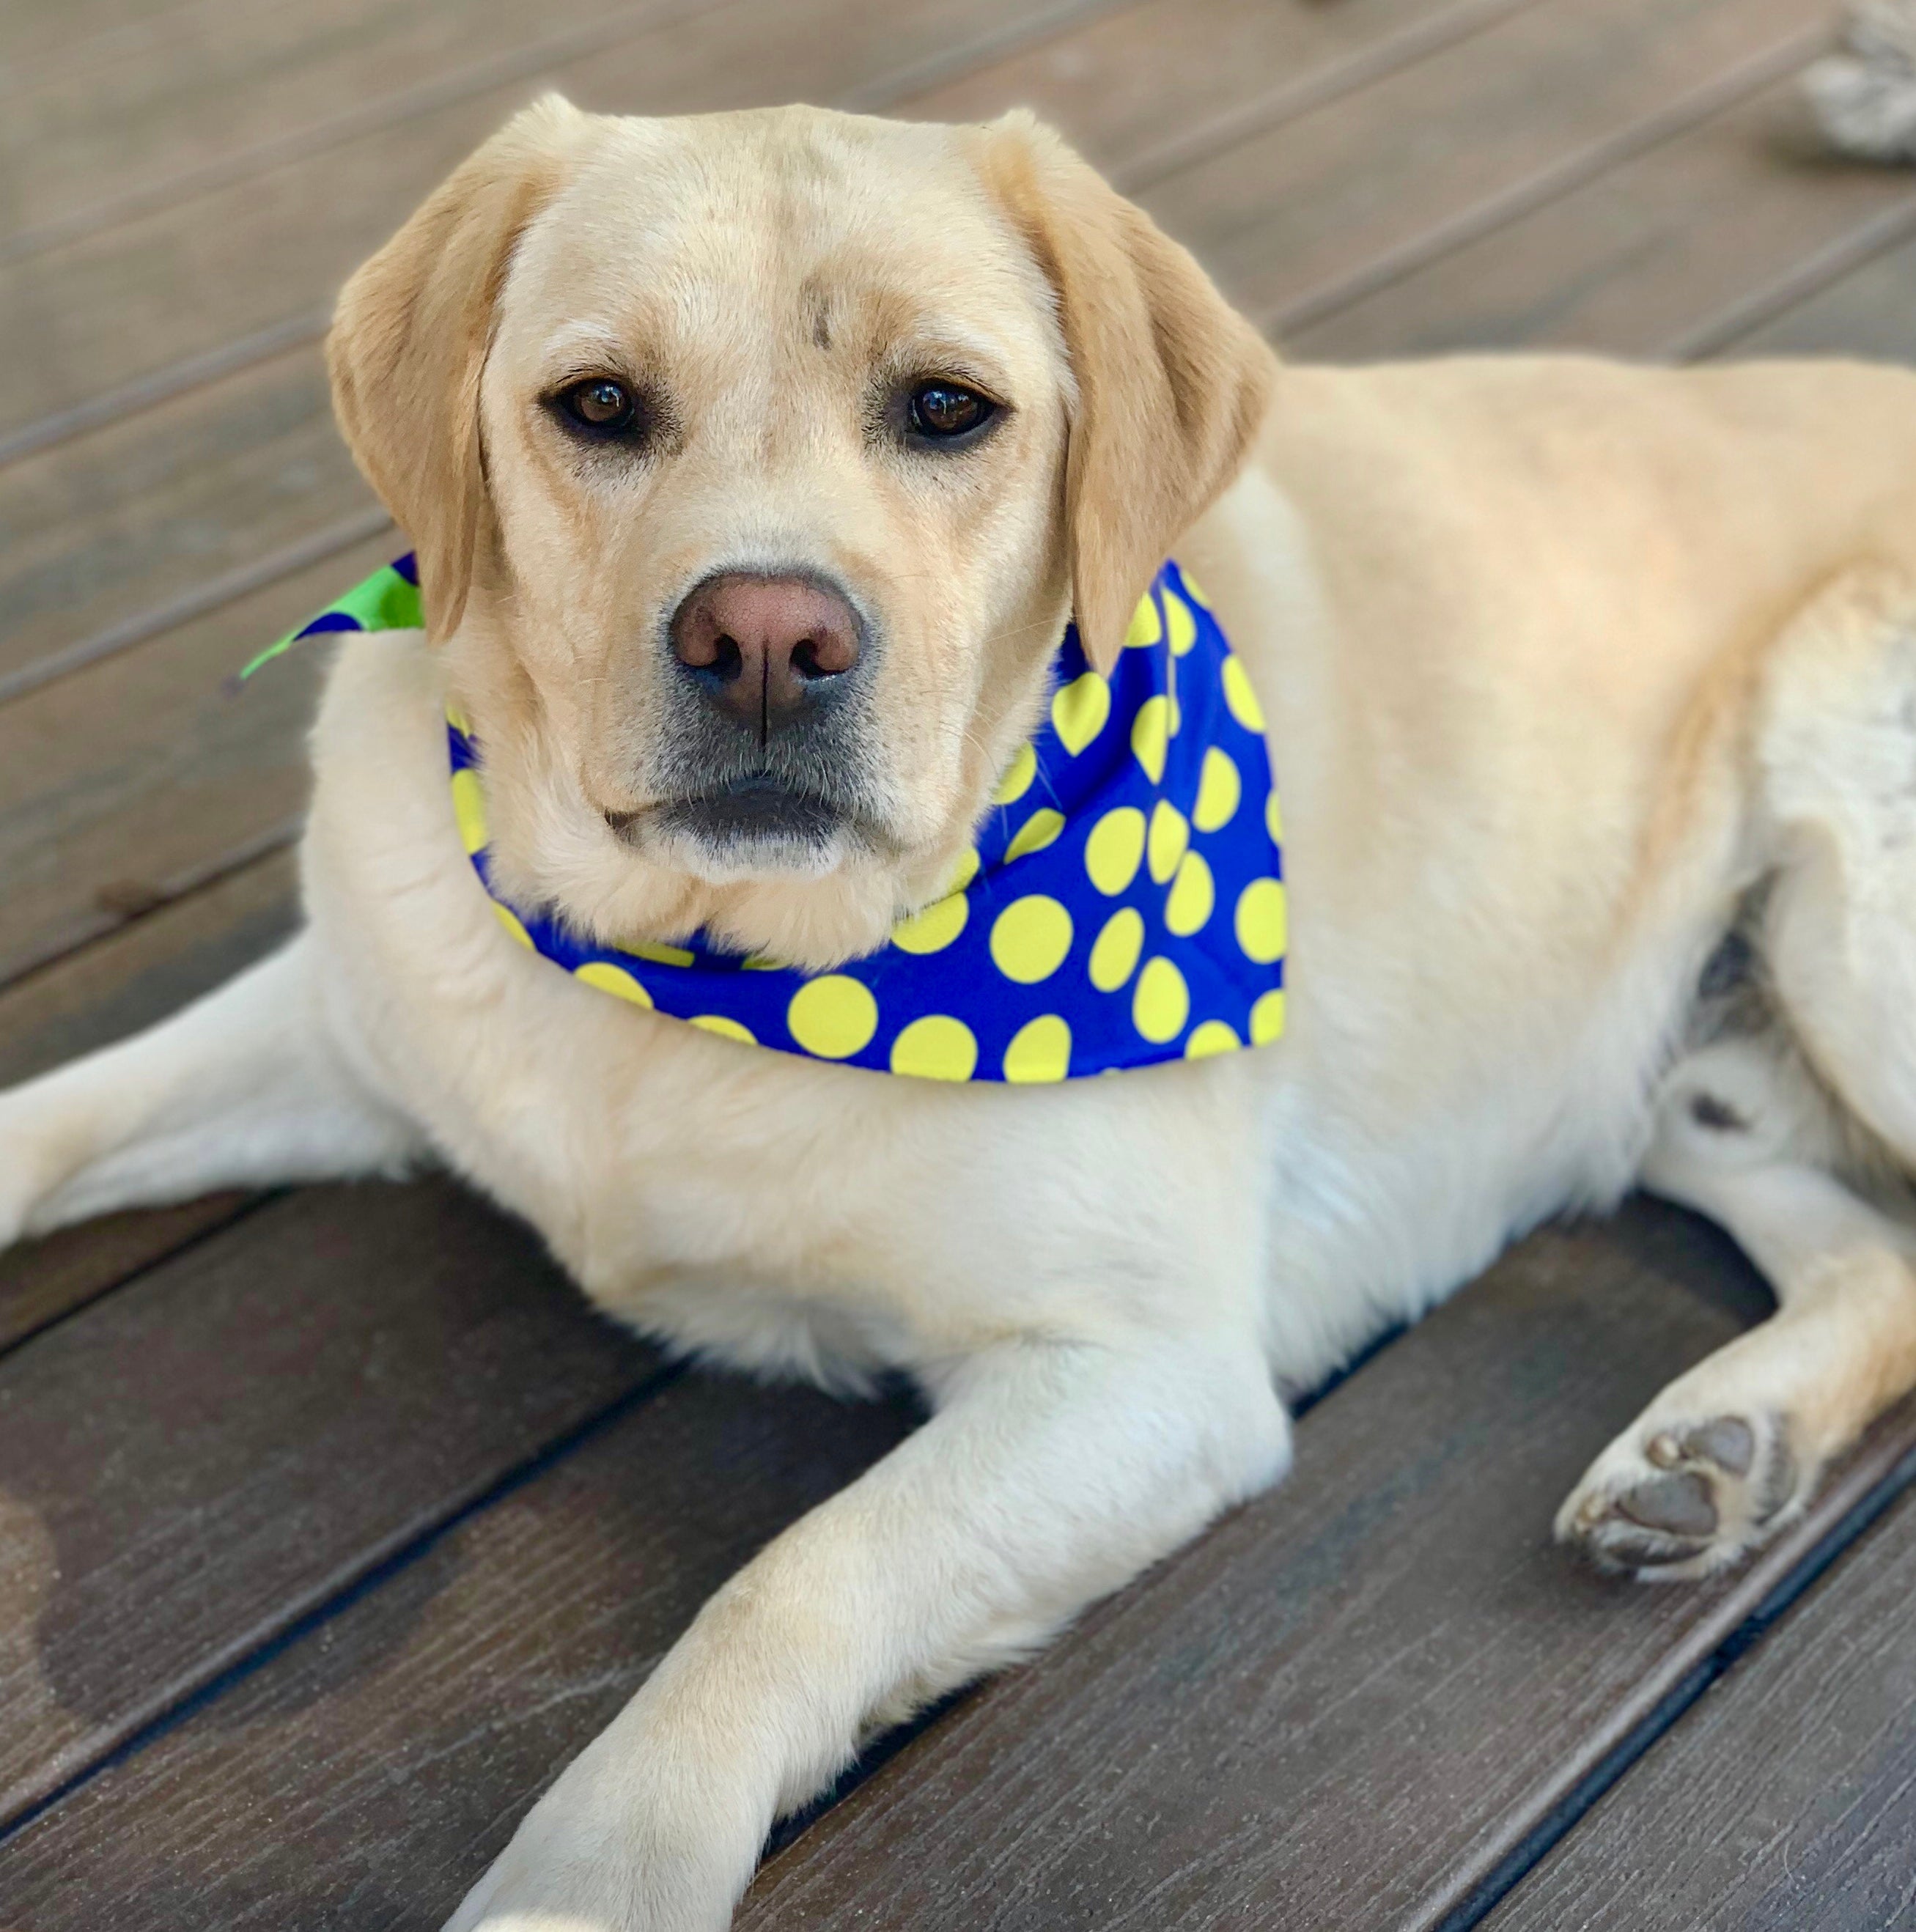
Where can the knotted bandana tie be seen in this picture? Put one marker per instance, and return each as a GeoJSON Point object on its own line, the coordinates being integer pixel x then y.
{"type": "Point", "coordinates": [1122, 903]}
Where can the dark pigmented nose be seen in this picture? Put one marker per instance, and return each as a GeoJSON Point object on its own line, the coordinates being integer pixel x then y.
{"type": "Point", "coordinates": [764, 646]}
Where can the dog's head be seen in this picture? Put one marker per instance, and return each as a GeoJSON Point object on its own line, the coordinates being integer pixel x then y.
{"type": "Point", "coordinates": [754, 463]}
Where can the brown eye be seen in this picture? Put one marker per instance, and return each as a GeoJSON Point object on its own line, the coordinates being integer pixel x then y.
{"type": "Point", "coordinates": [600, 404]}
{"type": "Point", "coordinates": [943, 411]}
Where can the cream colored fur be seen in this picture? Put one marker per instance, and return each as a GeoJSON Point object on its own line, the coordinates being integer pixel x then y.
{"type": "Point", "coordinates": [1573, 672]}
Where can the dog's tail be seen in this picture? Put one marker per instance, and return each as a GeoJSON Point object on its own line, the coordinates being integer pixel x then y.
{"type": "Point", "coordinates": [1864, 95]}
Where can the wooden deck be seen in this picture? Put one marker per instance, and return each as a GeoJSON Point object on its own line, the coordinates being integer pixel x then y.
{"type": "Point", "coordinates": [332, 1523]}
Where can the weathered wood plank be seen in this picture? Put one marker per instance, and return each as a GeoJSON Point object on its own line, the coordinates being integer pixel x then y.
{"type": "Point", "coordinates": [358, 1780]}
{"type": "Point", "coordinates": [1318, 201]}
{"type": "Point", "coordinates": [39, 37]}
{"type": "Point", "coordinates": [1784, 1801]}
{"type": "Point", "coordinates": [97, 532]}
{"type": "Point", "coordinates": [1638, 260]}
{"type": "Point", "coordinates": [1869, 311]}
{"type": "Point", "coordinates": [1346, 1705]}
{"type": "Point", "coordinates": [150, 969]}
{"type": "Point", "coordinates": [161, 114]}
{"type": "Point", "coordinates": [114, 780]}
{"type": "Point", "coordinates": [193, 1463]}
{"type": "Point", "coordinates": [1176, 77]}
{"type": "Point", "coordinates": [179, 281]}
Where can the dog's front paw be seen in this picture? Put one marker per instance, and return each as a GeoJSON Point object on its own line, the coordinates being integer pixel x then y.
{"type": "Point", "coordinates": [614, 1847]}
{"type": "Point", "coordinates": [1675, 1497]}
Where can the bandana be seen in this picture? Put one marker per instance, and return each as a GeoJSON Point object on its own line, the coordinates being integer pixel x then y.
{"type": "Point", "coordinates": [1122, 903]}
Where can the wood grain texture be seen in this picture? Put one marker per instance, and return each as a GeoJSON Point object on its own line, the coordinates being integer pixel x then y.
{"type": "Point", "coordinates": [1150, 78]}
{"type": "Point", "coordinates": [194, 1461]}
{"type": "Point", "coordinates": [1346, 1705]}
{"type": "Point", "coordinates": [161, 117]}
{"type": "Point", "coordinates": [39, 37]}
{"type": "Point", "coordinates": [1634, 262]}
{"type": "Point", "coordinates": [360, 1779]}
{"type": "Point", "coordinates": [1870, 311]}
{"type": "Point", "coordinates": [1281, 218]}
{"type": "Point", "coordinates": [179, 281]}
{"type": "Point", "coordinates": [101, 529]}
{"type": "Point", "coordinates": [1784, 1801]}
{"type": "Point", "coordinates": [151, 968]}
{"type": "Point", "coordinates": [114, 779]}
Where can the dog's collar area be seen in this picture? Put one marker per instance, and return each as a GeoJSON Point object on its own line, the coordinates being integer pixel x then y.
{"type": "Point", "coordinates": [1121, 905]}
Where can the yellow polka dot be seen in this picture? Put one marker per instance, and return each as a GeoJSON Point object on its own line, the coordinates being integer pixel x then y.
{"type": "Point", "coordinates": [1079, 710]}
{"type": "Point", "coordinates": [1115, 956]}
{"type": "Point", "coordinates": [508, 918]}
{"type": "Point", "coordinates": [1212, 1037]}
{"type": "Point", "coordinates": [833, 1016]}
{"type": "Point", "coordinates": [935, 928]}
{"type": "Point", "coordinates": [1261, 920]}
{"type": "Point", "coordinates": [1218, 789]}
{"type": "Point", "coordinates": [1035, 833]}
{"type": "Point", "coordinates": [1191, 896]}
{"type": "Point", "coordinates": [457, 719]}
{"type": "Point", "coordinates": [1267, 1018]}
{"type": "Point", "coordinates": [663, 955]}
{"type": "Point", "coordinates": [468, 807]}
{"type": "Point", "coordinates": [1039, 1052]}
{"type": "Point", "coordinates": [935, 1047]}
{"type": "Point", "coordinates": [1115, 850]}
{"type": "Point", "coordinates": [1194, 590]}
{"type": "Point", "coordinates": [1274, 820]}
{"type": "Point", "coordinates": [964, 871]}
{"type": "Point", "coordinates": [1169, 835]}
{"type": "Point", "coordinates": [613, 979]}
{"type": "Point", "coordinates": [1161, 1003]}
{"type": "Point", "coordinates": [1145, 629]}
{"type": "Point", "coordinates": [1030, 938]}
{"type": "Point", "coordinates": [1019, 775]}
{"type": "Point", "coordinates": [1183, 627]}
{"type": "Point", "coordinates": [1174, 718]}
{"type": "Point", "coordinates": [1150, 737]}
{"type": "Point", "coordinates": [726, 1029]}
{"type": "Point", "coordinates": [757, 962]}
{"type": "Point", "coordinates": [1239, 695]}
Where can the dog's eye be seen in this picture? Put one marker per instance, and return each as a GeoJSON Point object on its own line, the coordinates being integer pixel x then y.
{"type": "Point", "coordinates": [601, 404]}
{"type": "Point", "coordinates": [944, 411]}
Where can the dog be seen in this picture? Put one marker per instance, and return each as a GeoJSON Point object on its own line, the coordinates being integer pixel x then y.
{"type": "Point", "coordinates": [756, 465]}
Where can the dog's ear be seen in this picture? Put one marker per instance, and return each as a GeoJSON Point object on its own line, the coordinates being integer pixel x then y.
{"type": "Point", "coordinates": [409, 338]}
{"type": "Point", "coordinates": [1171, 382]}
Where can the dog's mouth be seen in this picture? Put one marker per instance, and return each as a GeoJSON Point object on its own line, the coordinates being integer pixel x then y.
{"type": "Point", "coordinates": [758, 822]}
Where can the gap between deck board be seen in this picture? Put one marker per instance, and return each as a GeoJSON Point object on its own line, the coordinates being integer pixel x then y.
{"type": "Point", "coordinates": [1745, 1815]}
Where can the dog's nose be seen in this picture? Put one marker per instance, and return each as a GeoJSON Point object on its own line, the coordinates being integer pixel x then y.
{"type": "Point", "coordinates": [764, 647]}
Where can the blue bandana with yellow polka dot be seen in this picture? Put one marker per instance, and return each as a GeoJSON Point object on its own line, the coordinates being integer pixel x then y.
{"type": "Point", "coordinates": [1123, 904]}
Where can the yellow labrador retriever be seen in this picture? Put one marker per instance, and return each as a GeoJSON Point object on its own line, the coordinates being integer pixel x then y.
{"type": "Point", "coordinates": [1591, 693]}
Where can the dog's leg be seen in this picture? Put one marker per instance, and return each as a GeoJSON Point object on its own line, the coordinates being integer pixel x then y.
{"type": "Point", "coordinates": [1051, 1473]}
{"type": "Point", "coordinates": [1729, 1452]}
{"type": "Point", "coordinates": [244, 1088]}
{"type": "Point", "coordinates": [1759, 1131]}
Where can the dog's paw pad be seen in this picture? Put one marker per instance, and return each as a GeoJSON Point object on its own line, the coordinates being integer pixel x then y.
{"type": "Point", "coordinates": [1729, 1442]}
{"type": "Point", "coordinates": [1692, 1498]}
